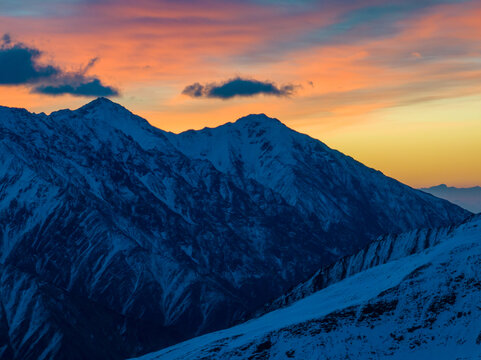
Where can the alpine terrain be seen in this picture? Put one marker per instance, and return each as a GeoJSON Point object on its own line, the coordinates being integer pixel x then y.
{"type": "Point", "coordinates": [413, 296]}
{"type": "Point", "coordinates": [117, 238]}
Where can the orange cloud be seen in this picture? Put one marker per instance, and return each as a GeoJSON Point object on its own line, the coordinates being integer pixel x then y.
{"type": "Point", "coordinates": [390, 71]}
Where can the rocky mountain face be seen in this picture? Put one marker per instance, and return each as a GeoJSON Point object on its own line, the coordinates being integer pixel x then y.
{"type": "Point", "coordinates": [117, 238]}
{"type": "Point", "coordinates": [418, 305]}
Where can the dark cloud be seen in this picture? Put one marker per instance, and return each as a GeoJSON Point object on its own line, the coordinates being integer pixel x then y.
{"type": "Point", "coordinates": [90, 88]}
{"type": "Point", "coordinates": [238, 87]}
{"type": "Point", "coordinates": [19, 65]}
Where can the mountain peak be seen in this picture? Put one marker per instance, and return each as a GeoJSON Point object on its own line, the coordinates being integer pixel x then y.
{"type": "Point", "coordinates": [104, 117]}
{"type": "Point", "coordinates": [256, 120]}
{"type": "Point", "coordinates": [102, 103]}
{"type": "Point", "coordinates": [102, 100]}
{"type": "Point", "coordinates": [100, 106]}
{"type": "Point", "coordinates": [105, 110]}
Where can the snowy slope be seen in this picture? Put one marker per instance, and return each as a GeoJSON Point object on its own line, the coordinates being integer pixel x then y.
{"type": "Point", "coordinates": [385, 249]}
{"type": "Point", "coordinates": [107, 227]}
{"type": "Point", "coordinates": [424, 305]}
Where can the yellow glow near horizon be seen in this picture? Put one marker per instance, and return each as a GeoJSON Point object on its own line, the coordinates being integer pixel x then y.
{"type": "Point", "coordinates": [421, 145]}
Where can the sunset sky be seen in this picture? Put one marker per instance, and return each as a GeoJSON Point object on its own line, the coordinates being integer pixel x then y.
{"type": "Point", "coordinates": [395, 84]}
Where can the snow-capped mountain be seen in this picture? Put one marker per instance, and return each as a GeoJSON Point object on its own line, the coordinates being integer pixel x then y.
{"type": "Point", "coordinates": [326, 186]}
{"type": "Point", "coordinates": [467, 198]}
{"type": "Point", "coordinates": [420, 306]}
{"type": "Point", "coordinates": [114, 236]}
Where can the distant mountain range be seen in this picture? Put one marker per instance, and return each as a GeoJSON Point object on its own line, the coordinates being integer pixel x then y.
{"type": "Point", "coordinates": [118, 238]}
{"type": "Point", "coordinates": [468, 198]}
